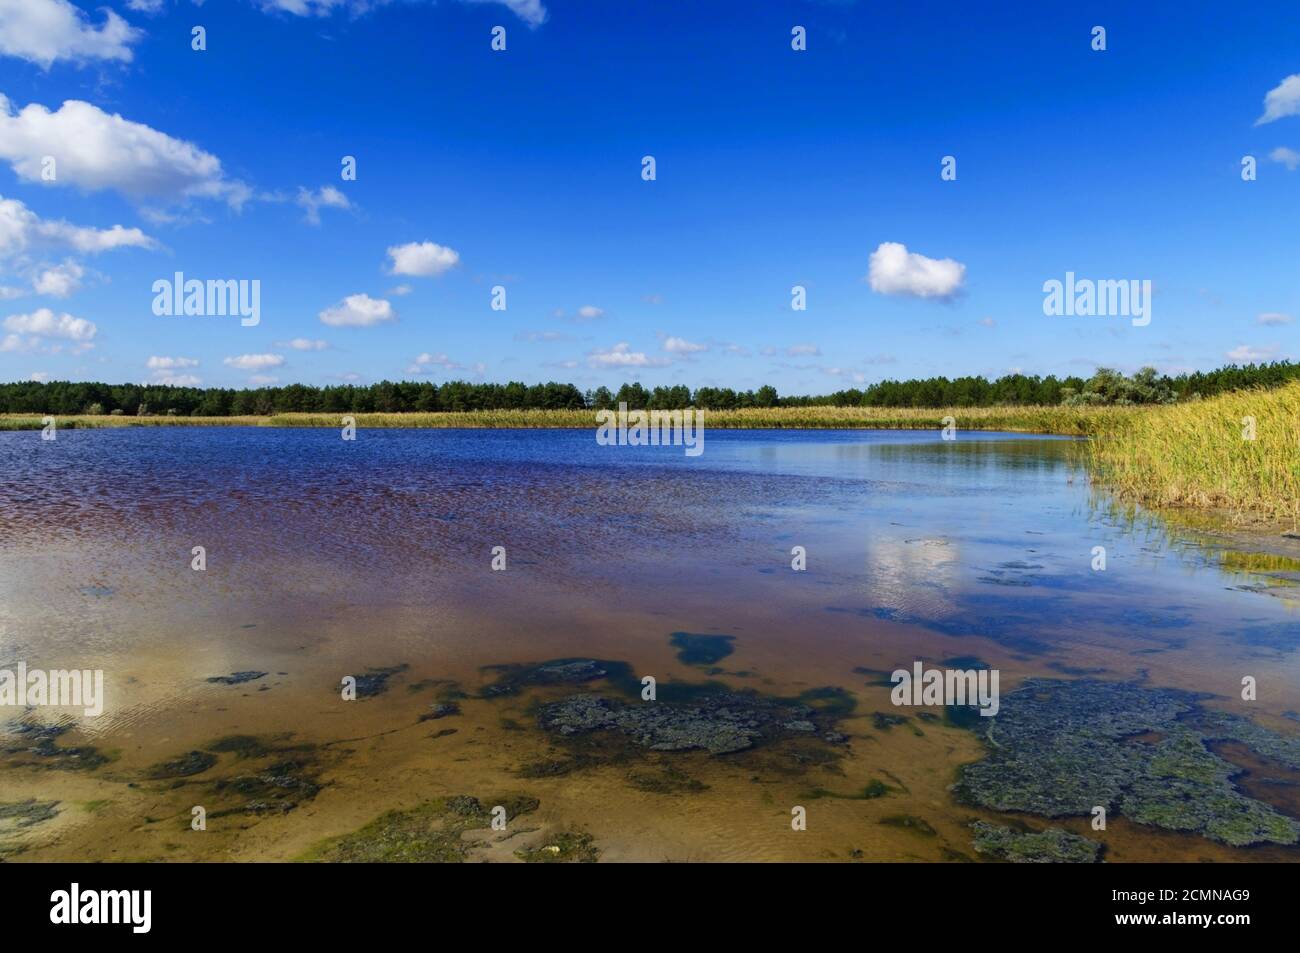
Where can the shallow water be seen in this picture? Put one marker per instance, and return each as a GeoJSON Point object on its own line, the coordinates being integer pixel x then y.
{"type": "Point", "coordinates": [327, 558]}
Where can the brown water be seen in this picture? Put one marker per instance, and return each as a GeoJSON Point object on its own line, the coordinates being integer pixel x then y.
{"type": "Point", "coordinates": [327, 558]}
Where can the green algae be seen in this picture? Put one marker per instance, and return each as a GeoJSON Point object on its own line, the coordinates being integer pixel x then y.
{"type": "Point", "coordinates": [1026, 846]}
{"type": "Point", "coordinates": [668, 780]}
{"type": "Point", "coordinates": [182, 766]}
{"type": "Point", "coordinates": [430, 833]}
{"type": "Point", "coordinates": [1060, 749]}
{"type": "Point", "coordinates": [910, 822]}
{"type": "Point", "coordinates": [567, 847]}
{"type": "Point", "coordinates": [28, 813]}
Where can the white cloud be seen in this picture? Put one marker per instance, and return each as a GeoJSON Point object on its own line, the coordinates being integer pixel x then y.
{"type": "Point", "coordinates": [676, 345]}
{"type": "Point", "coordinates": [426, 362]}
{"type": "Point", "coordinates": [21, 228]}
{"type": "Point", "coordinates": [589, 312]}
{"type": "Point", "coordinates": [421, 259]}
{"type": "Point", "coordinates": [621, 355]}
{"type": "Point", "coordinates": [59, 281]}
{"type": "Point", "coordinates": [254, 362]}
{"type": "Point", "coordinates": [896, 271]}
{"type": "Point", "coordinates": [94, 150]}
{"type": "Point", "coordinates": [145, 6]}
{"type": "Point", "coordinates": [1246, 354]}
{"type": "Point", "coordinates": [803, 350]}
{"type": "Point", "coordinates": [987, 323]}
{"type": "Point", "coordinates": [1288, 157]}
{"type": "Point", "coordinates": [170, 363]}
{"type": "Point", "coordinates": [399, 290]}
{"type": "Point", "coordinates": [530, 11]}
{"type": "Point", "coordinates": [176, 380]}
{"type": "Point", "coordinates": [43, 31]}
{"type": "Point", "coordinates": [45, 331]}
{"type": "Point", "coordinates": [45, 323]}
{"type": "Point", "coordinates": [1282, 100]}
{"type": "Point", "coordinates": [305, 344]}
{"type": "Point", "coordinates": [325, 197]}
{"type": "Point", "coordinates": [1274, 317]}
{"type": "Point", "coordinates": [358, 311]}
{"type": "Point", "coordinates": [38, 377]}
{"type": "Point", "coordinates": [534, 337]}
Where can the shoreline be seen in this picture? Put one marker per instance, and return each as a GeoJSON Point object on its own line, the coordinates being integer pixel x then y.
{"type": "Point", "coordinates": [1061, 421]}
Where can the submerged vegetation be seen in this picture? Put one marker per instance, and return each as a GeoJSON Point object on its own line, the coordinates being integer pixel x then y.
{"type": "Point", "coordinates": [1063, 749]}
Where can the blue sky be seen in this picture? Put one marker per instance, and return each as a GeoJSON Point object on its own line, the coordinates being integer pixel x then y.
{"type": "Point", "coordinates": [522, 169]}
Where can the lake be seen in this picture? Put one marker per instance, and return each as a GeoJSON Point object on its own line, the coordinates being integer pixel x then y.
{"type": "Point", "coordinates": [372, 560]}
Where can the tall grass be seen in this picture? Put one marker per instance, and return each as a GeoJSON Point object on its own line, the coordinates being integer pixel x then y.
{"type": "Point", "coordinates": [1075, 421]}
{"type": "Point", "coordinates": [1196, 454]}
{"type": "Point", "coordinates": [100, 422]}
{"type": "Point", "coordinates": [1048, 420]}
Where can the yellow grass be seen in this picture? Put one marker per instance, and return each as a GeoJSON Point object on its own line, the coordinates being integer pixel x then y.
{"type": "Point", "coordinates": [1074, 421]}
{"type": "Point", "coordinates": [1196, 454]}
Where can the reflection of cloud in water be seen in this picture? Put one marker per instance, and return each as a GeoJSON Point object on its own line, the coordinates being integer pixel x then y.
{"type": "Point", "coordinates": [919, 575]}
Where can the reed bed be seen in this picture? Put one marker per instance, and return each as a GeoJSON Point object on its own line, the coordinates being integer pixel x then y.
{"type": "Point", "coordinates": [1047, 420]}
{"type": "Point", "coordinates": [1073, 421]}
{"type": "Point", "coordinates": [1199, 454]}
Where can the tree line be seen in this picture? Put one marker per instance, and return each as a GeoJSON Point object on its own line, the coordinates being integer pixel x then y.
{"type": "Point", "coordinates": [1106, 386]}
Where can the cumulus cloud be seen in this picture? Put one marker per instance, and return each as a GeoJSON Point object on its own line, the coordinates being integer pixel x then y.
{"type": "Point", "coordinates": [1274, 318]}
{"type": "Point", "coordinates": [305, 344]}
{"type": "Point", "coordinates": [21, 228]}
{"type": "Point", "coordinates": [589, 312]}
{"type": "Point", "coordinates": [176, 380]}
{"type": "Point", "coordinates": [254, 362]}
{"type": "Point", "coordinates": [46, 323]}
{"type": "Point", "coordinates": [95, 150]}
{"type": "Point", "coordinates": [1282, 100]}
{"type": "Point", "coordinates": [44, 330]}
{"type": "Point", "coordinates": [1246, 354]}
{"type": "Point", "coordinates": [358, 311]}
{"type": "Point", "coordinates": [421, 259]}
{"type": "Point", "coordinates": [59, 281]}
{"type": "Point", "coordinates": [1288, 157]}
{"type": "Point", "coordinates": [44, 31]}
{"type": "Point", "coordinates": [676, 345]}
{"type": "Point", "coordinates": [803, 350]}
{"type": "Point", "coordinates": [170, 363]}
{"type": "Point", "coordinates": [426, 362]}
{"type": "Point", "coordinates": [621, 355]}
{"type": "Point", "coordinates": [325, 197]}
{"type": "Point", "coordinates": [896, 271]}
